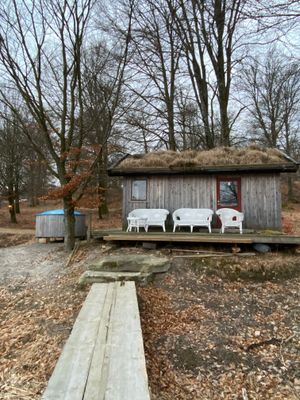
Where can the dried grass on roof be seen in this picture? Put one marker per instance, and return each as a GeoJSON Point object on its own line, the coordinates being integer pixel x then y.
{"type": "Point", "coordinates": [218, 156]}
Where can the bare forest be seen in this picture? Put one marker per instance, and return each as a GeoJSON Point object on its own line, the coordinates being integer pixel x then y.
{"type": "Point", "coordinates": [83, 83]}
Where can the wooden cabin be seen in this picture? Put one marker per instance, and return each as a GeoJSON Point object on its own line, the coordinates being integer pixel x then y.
{"type": "Point", "coordinates": [246, 179]}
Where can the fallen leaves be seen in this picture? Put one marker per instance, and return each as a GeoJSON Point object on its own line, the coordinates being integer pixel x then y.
{"type": "Point", "coordinates": [211, 338]}
{"type": "Point", "coordinates": [7, 240]}
{"type": "Point", "coordinates": [35, 322]}
{"type": "Point", "coordinates": [206, 337]}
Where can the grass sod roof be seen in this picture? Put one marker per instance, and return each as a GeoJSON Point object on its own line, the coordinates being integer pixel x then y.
{"type": "Point", "coordinates": [217, 159]}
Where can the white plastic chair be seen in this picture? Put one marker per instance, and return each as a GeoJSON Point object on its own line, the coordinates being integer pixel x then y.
{"type": "Point", "coordinates": [145, 217]}
{"type": "Point", "coordinates": [230, 218]}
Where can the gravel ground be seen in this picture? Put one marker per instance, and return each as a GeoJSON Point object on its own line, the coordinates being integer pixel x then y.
{"type": "Point", "coordinates": [33, 262]}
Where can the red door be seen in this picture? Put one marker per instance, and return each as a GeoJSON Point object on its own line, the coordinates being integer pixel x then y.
{"type": "Point", "coordinates": [229, 193]}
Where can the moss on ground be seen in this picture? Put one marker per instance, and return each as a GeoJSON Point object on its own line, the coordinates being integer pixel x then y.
{"type": "Point", "coordinates": [260, 268]}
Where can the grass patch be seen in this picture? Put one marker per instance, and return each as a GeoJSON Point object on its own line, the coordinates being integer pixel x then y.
{"type": "Point", "coordinates": [264, 268]}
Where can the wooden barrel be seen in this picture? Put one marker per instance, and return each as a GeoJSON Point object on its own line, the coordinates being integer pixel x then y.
{"type": "Point", "coordinates": [50, 224]}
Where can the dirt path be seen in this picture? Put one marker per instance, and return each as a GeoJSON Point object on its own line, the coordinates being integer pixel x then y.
{"type": "Point", "coordinates": [31, 262]}
{"type": "Point", "coordinates": [17, 231]}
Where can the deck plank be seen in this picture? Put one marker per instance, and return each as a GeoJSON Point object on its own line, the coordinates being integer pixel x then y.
{"type": "Point", "coordinates": [203, 238]}
{"type": "Point", "coordinates": [178, 238]}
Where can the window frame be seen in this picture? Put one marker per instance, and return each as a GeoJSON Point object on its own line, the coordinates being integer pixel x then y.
{"type": "Point", "coordinates": [146, 189]}
{"type": "Point", "coordinates": [225, 178]}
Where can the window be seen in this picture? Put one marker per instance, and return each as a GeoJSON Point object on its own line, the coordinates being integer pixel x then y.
{"type": "Point", "coordinates": [139, 190]}
{"type": "Point", "coordinates": [229, 192]}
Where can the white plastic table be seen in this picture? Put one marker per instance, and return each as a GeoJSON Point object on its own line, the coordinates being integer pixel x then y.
{"type": "Point", "coordinates": [135, 223]}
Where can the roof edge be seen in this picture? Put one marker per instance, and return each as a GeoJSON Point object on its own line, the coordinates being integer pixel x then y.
{"type": "Point", "coordinates": [282, 167]}
{"type": "Point", "coordinates": [289, 158]}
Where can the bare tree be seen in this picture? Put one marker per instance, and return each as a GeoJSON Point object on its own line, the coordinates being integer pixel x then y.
{"type": "Point", "coordinates": [189, 123]}
{"type": "Point", "coordinates": [272, 89]}
{"type": "Point", "coordinates": [11, 166]}
{"type": "Point", "coordinates": [273, 92]}
{"type": "Point", "coordinates": [104, 76]}
{"type": "Point", "coordinates": [36, 179]}
{"type": "Point", "coordinates": [281, 14]}
{"type": "Point", "coordinates": [41, 57]}
{"type": "Point", "coordinates": [208, 31]}
{"type": "Point", "coordinates": [156, 62]}
{"type": "Point", "coordinates": [22, 172]}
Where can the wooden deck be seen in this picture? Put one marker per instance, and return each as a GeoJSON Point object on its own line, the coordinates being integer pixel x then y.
{"type": "Point", "coordinates": [179, 237]}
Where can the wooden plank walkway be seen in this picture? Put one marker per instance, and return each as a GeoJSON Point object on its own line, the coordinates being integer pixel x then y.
{"type": "Point", "coordinates": [234, 238]}
{"type": "Point", "coordinates": [104, 355]}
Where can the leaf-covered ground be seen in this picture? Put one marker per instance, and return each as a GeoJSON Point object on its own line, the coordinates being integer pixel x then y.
{"type": "Point", "coordinates": [209, 337]}
{"type": "Point", "coordinates": [37, 312]}
{"type": "Point", "coordinates": [206, 336]}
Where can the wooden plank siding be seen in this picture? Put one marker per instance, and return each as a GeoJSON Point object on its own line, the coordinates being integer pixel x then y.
{"type": "Point", "coordinates": [261, 198]}
{"type": "Point", "coordinates": [261, 201]}
{"type": "Point", "coordinates": [50, 226]}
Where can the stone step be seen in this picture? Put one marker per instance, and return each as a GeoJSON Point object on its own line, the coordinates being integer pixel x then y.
{"type": "Point", "coordinates": [131, 263]}
{"type": "Point", "coordinates": [89, 277]}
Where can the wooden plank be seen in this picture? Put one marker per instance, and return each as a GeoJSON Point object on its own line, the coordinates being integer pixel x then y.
{"type": "Point", "coordinates": [98, 372]}
{"type": "Point", "coordinates": [178, 238]}
{"type": "Point", "coordinates": [215, 255]}
{"type": "Point", "coordinates": [261, 197]}
{"type": "Point", "coordinates": [261, 201]}
{"type": "Point", "coordinates": [277, 239]}
{"type": "Point", "coordinates": [195, 251]}
{"type": "Point", "coordinates": [53, 226]}
{"type": "Point", "coordinates": [98, 234]}
{"type": "Point", "coordinates": [172, 192]}
{"type": "Point", "coordinates": [202, 238]}
{"type": "Point", "coordinates": [125, 201]}
{"type": "Point", "coordinates": [69, 378]}
{"type": "Point", "coordinates": [127, 377]}
{"type": "Point", "coordinates": [181, 191]}
{"type": "Point", "coordinates": [279, 167]}
{"type": "Point", "coordinates": [104, 355]}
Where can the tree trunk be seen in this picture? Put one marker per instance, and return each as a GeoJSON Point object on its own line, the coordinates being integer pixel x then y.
{"type": "Point", "coordinates": [290, 188]}
{"type": "Point", "coordinates": [17, 200]}
{"type": "Point", "coordinates": [171, 128]}
{"type": "Point", "coordinates": [11, 207]}
{"type": "Point", "coordinates": [32, 202]}
{"type": "Point", "coordinates": [32, 191]}
{"type": "Point", "coordinates": [102, 185]}
{"type": "Point", "coordinates": [102, 210]}
{"type": "Point", "coordinates": [69, 222]}
{"type": "Point", "coordinates": [145, 143]}
{"type": "Point", "coordinates": [225, 130]}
